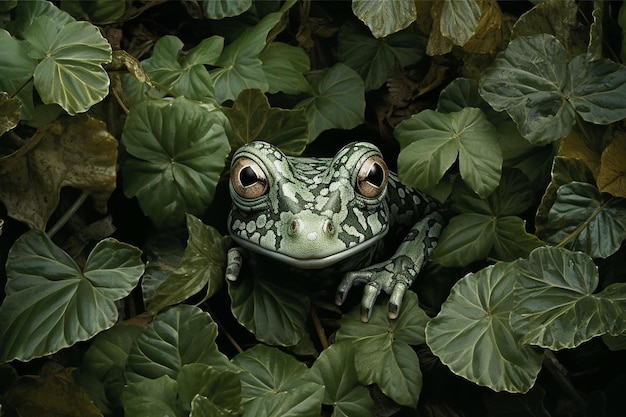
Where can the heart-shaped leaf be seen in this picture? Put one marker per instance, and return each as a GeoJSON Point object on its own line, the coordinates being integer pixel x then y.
{"type": "Point", "coordinates": [385, 17]}
{"type": "Point", "coordinates": [382, 352]}
{"type": "Point", "coordinates": [555, 303]}
{"type": "Point", "coordinates": [51, 303]}
{"type": "Point", "coordinates": [69, 72]}
{"type": "Point", "coordinates": [177, 152]}
{"type": "Point", "coordinates": [473, 337]}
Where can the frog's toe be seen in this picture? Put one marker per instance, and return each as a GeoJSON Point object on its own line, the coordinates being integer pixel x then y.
{"type": "Point", "coordinates": [370, 293]}
{"type": "Point", "coordinates": [395, 301]}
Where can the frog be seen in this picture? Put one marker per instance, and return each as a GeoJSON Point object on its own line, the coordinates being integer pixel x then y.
{"type": "Point", "coordinates": [339, 214]}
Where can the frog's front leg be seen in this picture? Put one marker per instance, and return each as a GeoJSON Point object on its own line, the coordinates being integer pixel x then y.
{"type": "Point", "coordinates": [395, 275]}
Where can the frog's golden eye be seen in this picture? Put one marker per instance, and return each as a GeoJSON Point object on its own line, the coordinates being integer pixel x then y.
{"type": "Point", "coordinates": [372, 178]}
{"type": "Point", "coordinates": [247, 178]}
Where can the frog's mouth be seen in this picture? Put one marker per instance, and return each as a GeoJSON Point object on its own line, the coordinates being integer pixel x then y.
{"type": "Point", "coordinates": [308, 262]}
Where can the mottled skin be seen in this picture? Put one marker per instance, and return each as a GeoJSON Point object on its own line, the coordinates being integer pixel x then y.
{"type": "Point", "coordinates": [331, 213]}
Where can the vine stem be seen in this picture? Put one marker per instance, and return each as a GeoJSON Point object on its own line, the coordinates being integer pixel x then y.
{"type": "Point", "coordinates": [68, 214]}
{"type": "Point", "coordinates": [559, 372]}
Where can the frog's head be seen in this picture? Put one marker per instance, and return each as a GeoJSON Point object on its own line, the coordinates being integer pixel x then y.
{"type": "Point", "coordinates": [308, 212]}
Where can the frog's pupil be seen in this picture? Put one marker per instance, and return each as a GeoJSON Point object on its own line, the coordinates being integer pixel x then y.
{"type": "Point", "coordinates": [376, 175]}
{"type": "Point", "coordinates": [248, 177]}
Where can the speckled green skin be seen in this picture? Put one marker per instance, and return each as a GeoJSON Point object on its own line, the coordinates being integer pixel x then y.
{"type": "Point", "coordinates": [312, 215]}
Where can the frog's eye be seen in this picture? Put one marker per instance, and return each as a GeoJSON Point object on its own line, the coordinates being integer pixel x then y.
{"type": "Point", "coordinates": [247, 178]}
{"type": "Point", "coordinates": [372, 178]}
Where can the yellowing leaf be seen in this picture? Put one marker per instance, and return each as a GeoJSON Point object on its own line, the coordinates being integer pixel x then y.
{"type": "Point", "coordinates": [55, 395]}
{"type": "Point", "coordinates": [78, 152]}
{"type": "Point", "coordinates": [10, 110]}
{"type": "Point", "coordinates": [612, 175]}
{"type": "Point", "coordinates": [574, 146]}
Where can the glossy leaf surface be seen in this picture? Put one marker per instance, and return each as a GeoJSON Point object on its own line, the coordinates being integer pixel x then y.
{"type": "Point", "coordinates": [385, 17]}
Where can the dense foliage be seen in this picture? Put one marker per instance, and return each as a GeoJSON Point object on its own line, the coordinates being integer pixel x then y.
{"type": "Point", "coordinates": [510, 113]}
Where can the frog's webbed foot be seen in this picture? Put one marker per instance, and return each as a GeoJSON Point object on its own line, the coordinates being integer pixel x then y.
{"type": "Point", "coordinates": [393, 277]}
{"type": "Point", "coordinates": [234, 262]}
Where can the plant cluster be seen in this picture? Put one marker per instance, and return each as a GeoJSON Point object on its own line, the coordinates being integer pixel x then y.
{"type": "Point", "coordinates": [509, 113]}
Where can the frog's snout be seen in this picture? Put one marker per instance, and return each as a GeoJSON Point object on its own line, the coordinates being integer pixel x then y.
{"type": "Point", "coordinates": [311, 228]}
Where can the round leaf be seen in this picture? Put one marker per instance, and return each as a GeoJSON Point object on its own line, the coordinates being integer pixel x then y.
{"type": "Point", "coordinates": [385, 17]}
{"type": "Point", "coordinates": [70, 57]}
{"type": "Point", "coordinates": [177, 152]}
{"type": "Point", "coordinates": [182, 335]}
{"type": "Point", "coordinates": [51, 303]}
{"type": "Point", "coordinates": [473, 337]}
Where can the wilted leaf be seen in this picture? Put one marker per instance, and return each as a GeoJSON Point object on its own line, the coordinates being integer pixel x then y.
{"type": "Point", "coordinates": [252, 118]}
{"type": "Point", "coordinates": [382, 352]}
{"type": "Point", "coordinates": [284, 67]}
{"type": "Point", "coordinates": [202, 265]}
{"type": "Point", "coordinates": [338, 101]}
{"type": "Point", "coordinates": [385, 17]}
{"type": "Point", "coordinates": [10, 110]}
{"type": "Point", "coordinates": [431, 142]}
{"type": "Point", "coordinates": [219, 9]}
{"type": "Point", "coordinates": [473, 337]}
{"type": "Point", "coordinates": [51, 395]}
{"type": "Point", "coordinates": [69, 72]}
{"type": "Point", "coordinates": [555, 304]}
{"type": "Point", "coordinates": [51, 303]}
{"type": "Point", "coordinates": [594, 49]}
{"type": "Point", "coordinates": [612, 176]}
{"type": "Point", "coordinates": [585, 220]}
{"type": "Point", "coordinates": [274, 384]}
{"type": "Point", "coordinates": [177, 152]}
{"type": "Point", "coordinates": [76, 151]}
{"type": "Point", "coordinates": [489, 33]}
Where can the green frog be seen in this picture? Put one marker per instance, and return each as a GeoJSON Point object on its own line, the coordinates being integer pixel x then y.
{"type": "Point", "coordinates": [337, 214]}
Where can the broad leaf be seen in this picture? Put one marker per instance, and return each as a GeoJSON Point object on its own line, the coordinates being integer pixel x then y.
{"type": "Point", "coordinates": [219, 9]}
{"type": "Point", "coordinates": [69, 72]}
{"type": "Point", "coordinates": [585, 220]}
{"type": "Point", "coordinates": [252, 118]}
{"type": "Point", "coordinates": [275, 313]}
{"type": "Point", "coordinates": [152, 397]}
{"type": "Point", "coordinates": [17, 67]}
{"type": "Point", "coordinates": [555, 304]}
{"type": "Point", "coordinates": [459, 19]}
{"type": "Point", "coordinates": [473, 337]}
{"type": "Point", "coordinates": [182, 335]}
{"type": "Point", "coordinates": [51, 303]}
{"type": "Point", "coordinates": [466, 238]}
{"type": "Point", "coordinates": [202, 265]}
{"type": "Point", "coordinates": [382, 352]}
{"type": "Point", "coordinates": [184, 73]}
{"type": "Point", "coordinates": [77, 151]}
{"type": "Point", "coordinates": [374, 58]}
{"type": "Point", "coordinates": [335, 369]}
{"type": "Point", "coordinates": [97, 11]}
{"type": "Point", "coordinates": [273, 384]}
{"type": "Point", "coordinates": [221, 388]}
{"type": "Point", "coordinates": [431, 142]}
{"type": "Point", "coordinates": [385, 17]}
{"type": "Point", "coordinates": [27, 11]}
{"type": "Point", "coordinates": [284, 67]}
{"type": "Point", "coordinates": [338, 101]}
{"type": "Point", "coordinates": [612, 175]}
{"type": "Point", "coordinates": [177, 150]}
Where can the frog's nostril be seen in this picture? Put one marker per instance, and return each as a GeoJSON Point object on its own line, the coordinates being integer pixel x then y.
{"type": "Point", "coordinates": [293, 227]}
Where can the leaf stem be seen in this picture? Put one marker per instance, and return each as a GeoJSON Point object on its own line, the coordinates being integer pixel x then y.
{"type": "Point", "coordinates": [319, 329]}
{"type": "Point", "coordinates": [24, 84]}
{"type": "Point", "coordinates": [559, 372]}
{"type": "Point", "coordinates": [68, 214]}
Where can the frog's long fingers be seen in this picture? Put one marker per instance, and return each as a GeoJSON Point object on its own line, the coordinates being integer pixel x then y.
{"type": "Point", "coordinates": [234, 260]}
{"type": "Point", "coordinates": [370, 292]}
{"type": "Point", "coordinates": [395, 301]}
{"type": "Point", "coordinates": [343, 288]}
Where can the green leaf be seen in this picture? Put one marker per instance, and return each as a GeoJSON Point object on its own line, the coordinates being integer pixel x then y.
{"type": "Point", "coordinates": [240, 65]}
{"type": "Point", "coordinates": [374, 58]}
{"type": "Point", "coordinates": [528, 80]}
{"type": "Point", "coordinates": [432, 141]}
{"type": "Point", "coordinates": [221, 388]}
{"type": "Point", "coordinates": [27, 11]}
{"type": "Point", "coordinates": [335, 369]}
{"type": "Point", "coordinates": [252, 118]}
{"type": "Point", "coordinates": [275, 313]}
{"type": "Point", "coordinates": [512, 241]}
{"type": "Point", "coordinates": [273, 384]}
{"type": "Point", "coordinates": [284, 67]}
{"type": "Point", "coordinates": [585, 220]}
{"type": "Point", "coordinates": [97, 11]}
{"type": "Point", "coordinates": [382, 352]}
{"type": "Point", "coordinates": [69, 72]}
{"type": "Point", "coordinates": [51, 303]}
{"type": "Point", "coordinates": [556, 306]}
{"type": "Point", "coordinates": [202, 265]}
{"type": "Point", "coordinates": [466, 238]}
{"type": "Point", "coordinates": [184, 73]}
{"type": "Point", "coordinates": [177, 151]}
{"type": "Point", "coordinates": [459, 20]}
{"type": "Point", "coordinates": [17, 67]}
{"type": "Point", "coordinates": [182, 335]}
{"type": "Point", "coordinates": [219, 9]}
{"type": "Point", "coordinates": [338, 101]}
{"type": "Point", "coordinates": [152, 397]}
{"type": "Point", "coordinates": [473, 337]}
{"type": "Point", "coordinates": [385, 17]}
